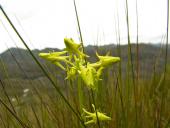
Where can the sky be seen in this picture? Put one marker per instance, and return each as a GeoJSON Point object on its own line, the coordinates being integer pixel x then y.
{"type": "Point", "coordinates": [45, 23]}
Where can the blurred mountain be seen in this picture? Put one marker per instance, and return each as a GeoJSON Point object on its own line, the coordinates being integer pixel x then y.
{"type": "Point", "coordinates": [18, 63]}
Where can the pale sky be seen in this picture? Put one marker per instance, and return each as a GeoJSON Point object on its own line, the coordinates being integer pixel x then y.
{"type": "Point", "coordinates": [45, 23]}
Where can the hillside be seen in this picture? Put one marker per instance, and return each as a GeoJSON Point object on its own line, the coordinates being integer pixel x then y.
{"type": "Point", "coordinates": [19, 63]}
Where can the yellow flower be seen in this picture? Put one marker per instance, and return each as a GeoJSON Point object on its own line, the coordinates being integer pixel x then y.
{"type": "Point", "coordinates": [99, 72]}
{"type": "Point", "coordinates": [71, 73]}
{"type": "Point", "coordinates": [105, 61]}
{"type": "Point", "coordinates": [92, 118]}
{"type": "Point", "coordinates": [88, 75]}
{"type": "Point", "coordinates": [73, 47]}
{"type": "Point", "coordinates": [55, 58]}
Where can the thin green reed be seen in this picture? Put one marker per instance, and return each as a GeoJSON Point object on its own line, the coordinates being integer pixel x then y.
{"type": "Point", "coordinates": [136, 84]}
{"type": "Point", "coordinates": [81, 39]}
{"type": "Point", "coordinates": [21, 69]}
{"type": "Point", "coordinates": [130, 64]}
{"type": "Point", "coordinates": [162, 88]}
{"type": "Point", "coordinates": [119, 79]}
{"type": "Point", "coordinates": [137, 48]}
{"type": "Point", "coordinates": [40, 65]}
{"type": "Point", "coordinates": [167, 40]}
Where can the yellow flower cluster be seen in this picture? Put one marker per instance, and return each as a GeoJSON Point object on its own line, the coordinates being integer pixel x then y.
{"type": "Point", "coordinates": [72, 60]}
{"type": "Point", "coordinates": [89, 72]}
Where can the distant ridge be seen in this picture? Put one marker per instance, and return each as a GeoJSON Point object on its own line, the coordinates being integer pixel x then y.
{"type": "Point", "coordinates": [17, 59]}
